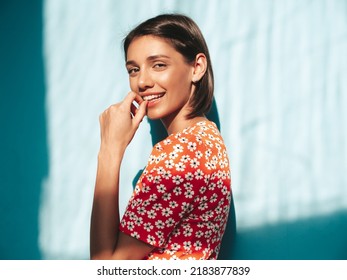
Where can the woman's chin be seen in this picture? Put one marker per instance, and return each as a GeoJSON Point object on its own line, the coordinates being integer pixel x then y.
{"type": "Point", "coordinates": [152, 115]}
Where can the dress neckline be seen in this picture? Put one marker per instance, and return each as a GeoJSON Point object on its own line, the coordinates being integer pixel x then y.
{"type": "Point", "coordinates": [199, 123]}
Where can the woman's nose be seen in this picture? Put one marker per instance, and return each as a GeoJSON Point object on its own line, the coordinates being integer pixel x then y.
{"type": "Point", "coordinates": [145, 81]}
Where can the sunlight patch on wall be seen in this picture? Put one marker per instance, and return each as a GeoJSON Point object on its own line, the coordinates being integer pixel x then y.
{"type": "Point", "coordinates": [280, 91]}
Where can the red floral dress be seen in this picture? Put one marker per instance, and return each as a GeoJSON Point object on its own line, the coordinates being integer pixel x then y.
{"type": "Point", "coordinates": [181, 202]}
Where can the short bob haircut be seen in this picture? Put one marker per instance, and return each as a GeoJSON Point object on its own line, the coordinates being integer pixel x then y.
{"type": "Point", "coordinates": [185, 37]}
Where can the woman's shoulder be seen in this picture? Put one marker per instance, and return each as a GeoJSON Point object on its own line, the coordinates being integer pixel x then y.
{"type": "Point", "coordinates": [201, 128]}
{"type": "Point", "coordinates": [200, 132]}
{"type": "Point", "coordinates": [205, 131]}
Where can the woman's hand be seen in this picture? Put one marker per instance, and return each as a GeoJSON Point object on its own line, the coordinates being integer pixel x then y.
{"type": "Point", "coordinates": [119, 123]}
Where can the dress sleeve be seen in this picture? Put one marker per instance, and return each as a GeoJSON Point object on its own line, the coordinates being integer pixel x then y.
{"type": "Point", "coordinates": [167, 191]}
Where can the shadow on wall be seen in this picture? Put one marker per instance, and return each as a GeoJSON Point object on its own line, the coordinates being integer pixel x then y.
{"type": "Point", "coordinates": [23, 161]}
{"type": "Point", "coordinates": [317, 238]}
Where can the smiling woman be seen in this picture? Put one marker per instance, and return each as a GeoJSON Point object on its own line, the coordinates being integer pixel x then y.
{"type": "Point", "coordinates": [180, 204]}
{"type": "Point", "coordinates": [161, 76]}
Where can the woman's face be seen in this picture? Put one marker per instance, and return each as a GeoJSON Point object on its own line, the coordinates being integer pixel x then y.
{"type": "Point", "coordinates": [160, 74]}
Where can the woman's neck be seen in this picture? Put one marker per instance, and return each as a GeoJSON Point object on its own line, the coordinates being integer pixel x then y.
{"type": "Point", "coordinates": [180, 122]}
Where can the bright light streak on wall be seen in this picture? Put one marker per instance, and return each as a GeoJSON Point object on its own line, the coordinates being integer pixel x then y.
{"type": "Point", "coordinates": [280, 69]}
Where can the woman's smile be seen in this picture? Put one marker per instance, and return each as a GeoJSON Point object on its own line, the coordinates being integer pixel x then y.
{"type": "Point", "coordinates": [152, 98]}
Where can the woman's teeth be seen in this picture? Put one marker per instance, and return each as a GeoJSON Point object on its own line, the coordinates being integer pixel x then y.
{"type": "Point", "coordinates": [152, 97]}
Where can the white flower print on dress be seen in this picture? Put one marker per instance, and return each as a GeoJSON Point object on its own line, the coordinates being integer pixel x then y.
{"type": "Point", "coordinates": [157, 179]}
{"type": "Point", "coordinates": [173, 155]}
{"type": "Point", "coordinates": [177, 179]}
{"type": "Point", "coordinates": [169, 163]}
{"type": "Point", "coordinates": [194, 163]}
{"type": "Point", "coordinates": [175, 246]}
{"type": "Point", "coordinates": [160, 224]}
{"type": "Point", "coordinates": [197, 245]}
{"type": "Point", "coordinates": [185, 158]}
{"type": "Point", "coordinates": [166, 196]}
{"type": "Point", "coordinates": [161, 188]}
{"type": "Point", "coordinates": [153, 197]}
{"type": "Point", "coordinates": [183, 140]}
{"type": "Point", "coordinates": [191, 146]}
{"type": "Point", "coordinates": [187, 245]}
{"type": "Point", "coordinates": [170, 222]}
{"type": "Point", "coordinates": [177, 191]}
{"type": "Point", "coordinates": [167, 141]}
{"type": "Point", "coordinates": [148, 226]}
{"type": "Point", "coordinates": [151, 214]}
{"type": "Point", "coordinates": [135, 235]}
{"type": "Point", "coordinates": [198, 174]}
{"type": "Point", "coordinates": [130, 226]}
{"type": "Point", "coordinates": [173, 204]}
{"type": "Point", "coordinates": [157, 206]}
{"type": "Point", "coordinates": [198, 154]}
{"type": "Point", "coordinates": [187, 231]}
{"type": "Point", "coordinates": [189, 176]}
{"type": "Point", "coordinates": [141, 210]}
{"type": "Point", "coordinates": [189, 193]}
{"type": "Point", "coordinates": [138, 221]}
{"type": "Point", "coordinates": [166, 212]}
{"type": "Point", "coordinates": [181, 201]}
{"type": "Point", "coordinates": [178, 148]}
{"type": "Point", "coordinates": [151, 240]}
{"type": "Point", "coordinates": [157, 159]}
{"type": "Point", "coordinates": [146, 189]}
{"type": "Point", "coordinates": [180, 166]}
{"type": "Point", "coordinates": [167, 174]}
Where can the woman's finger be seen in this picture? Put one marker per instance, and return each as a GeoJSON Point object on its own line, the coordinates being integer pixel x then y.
{"type": "Point", "coordinates": [141, 112]}
{"type": "Point", "coordinates": [133, 108]}
{"type": "Point", "coordinates": [137, 100]}
{"type": "Point", "coordinates": [129, 98]}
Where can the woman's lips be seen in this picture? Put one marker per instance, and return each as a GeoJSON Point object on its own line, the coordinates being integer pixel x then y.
{"type": "Point", "coordinates": [153, 99]}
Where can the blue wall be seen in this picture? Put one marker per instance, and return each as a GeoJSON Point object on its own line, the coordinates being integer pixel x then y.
{"type": "Point", "coordinates": [319, 238]}
{"type": "Point", "coordinates": [23, 160]}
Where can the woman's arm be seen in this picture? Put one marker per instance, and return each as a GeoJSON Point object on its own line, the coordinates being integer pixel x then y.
{"type": "Point", "coordinates": [117, 130]}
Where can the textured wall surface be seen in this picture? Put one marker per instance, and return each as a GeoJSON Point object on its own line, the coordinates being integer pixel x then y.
{"type": "Point", "coordinates": [281, 97]}
{"type": "Point", "coordinates": [23, 136]}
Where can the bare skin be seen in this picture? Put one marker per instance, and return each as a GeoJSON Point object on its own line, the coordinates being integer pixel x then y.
{"type": "Point", "coordinates": [117, 130]}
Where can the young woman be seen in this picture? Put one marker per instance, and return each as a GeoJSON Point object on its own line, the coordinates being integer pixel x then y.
{"type": "Point", "coordinates": [180, 205]}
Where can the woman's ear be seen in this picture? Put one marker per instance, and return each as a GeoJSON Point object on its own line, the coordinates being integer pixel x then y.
{"type": "Point", "coordinates": [200, 67]}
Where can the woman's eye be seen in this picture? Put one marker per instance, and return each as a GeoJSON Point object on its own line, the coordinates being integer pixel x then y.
{"type": "Point", "coordinates": [132, 71]}
{"type": "Point", "coordinates": [159, 65]}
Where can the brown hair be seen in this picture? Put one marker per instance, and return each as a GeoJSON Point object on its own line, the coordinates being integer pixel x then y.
{"type": "Point", "coordinates": [185, 37]}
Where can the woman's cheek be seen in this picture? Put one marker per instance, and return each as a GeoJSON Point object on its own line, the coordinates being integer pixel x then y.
{"type": "Point", "coordinates": [133, 83]}
{"type": "Point", "coordinates": [163, 78]}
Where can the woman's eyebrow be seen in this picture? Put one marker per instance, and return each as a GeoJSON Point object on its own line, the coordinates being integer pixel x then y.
{"type": "Point", "coordinates": [149, 58]}
{"type": "Point", "coordinates": [155, 57]}
{"type": "Point", "coordinates": [130, 62]}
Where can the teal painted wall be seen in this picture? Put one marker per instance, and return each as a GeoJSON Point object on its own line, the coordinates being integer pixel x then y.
{"type": "Point", "coordinates": [319, 238]}
{"type": "Point", "coordinates": [23, 160]}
